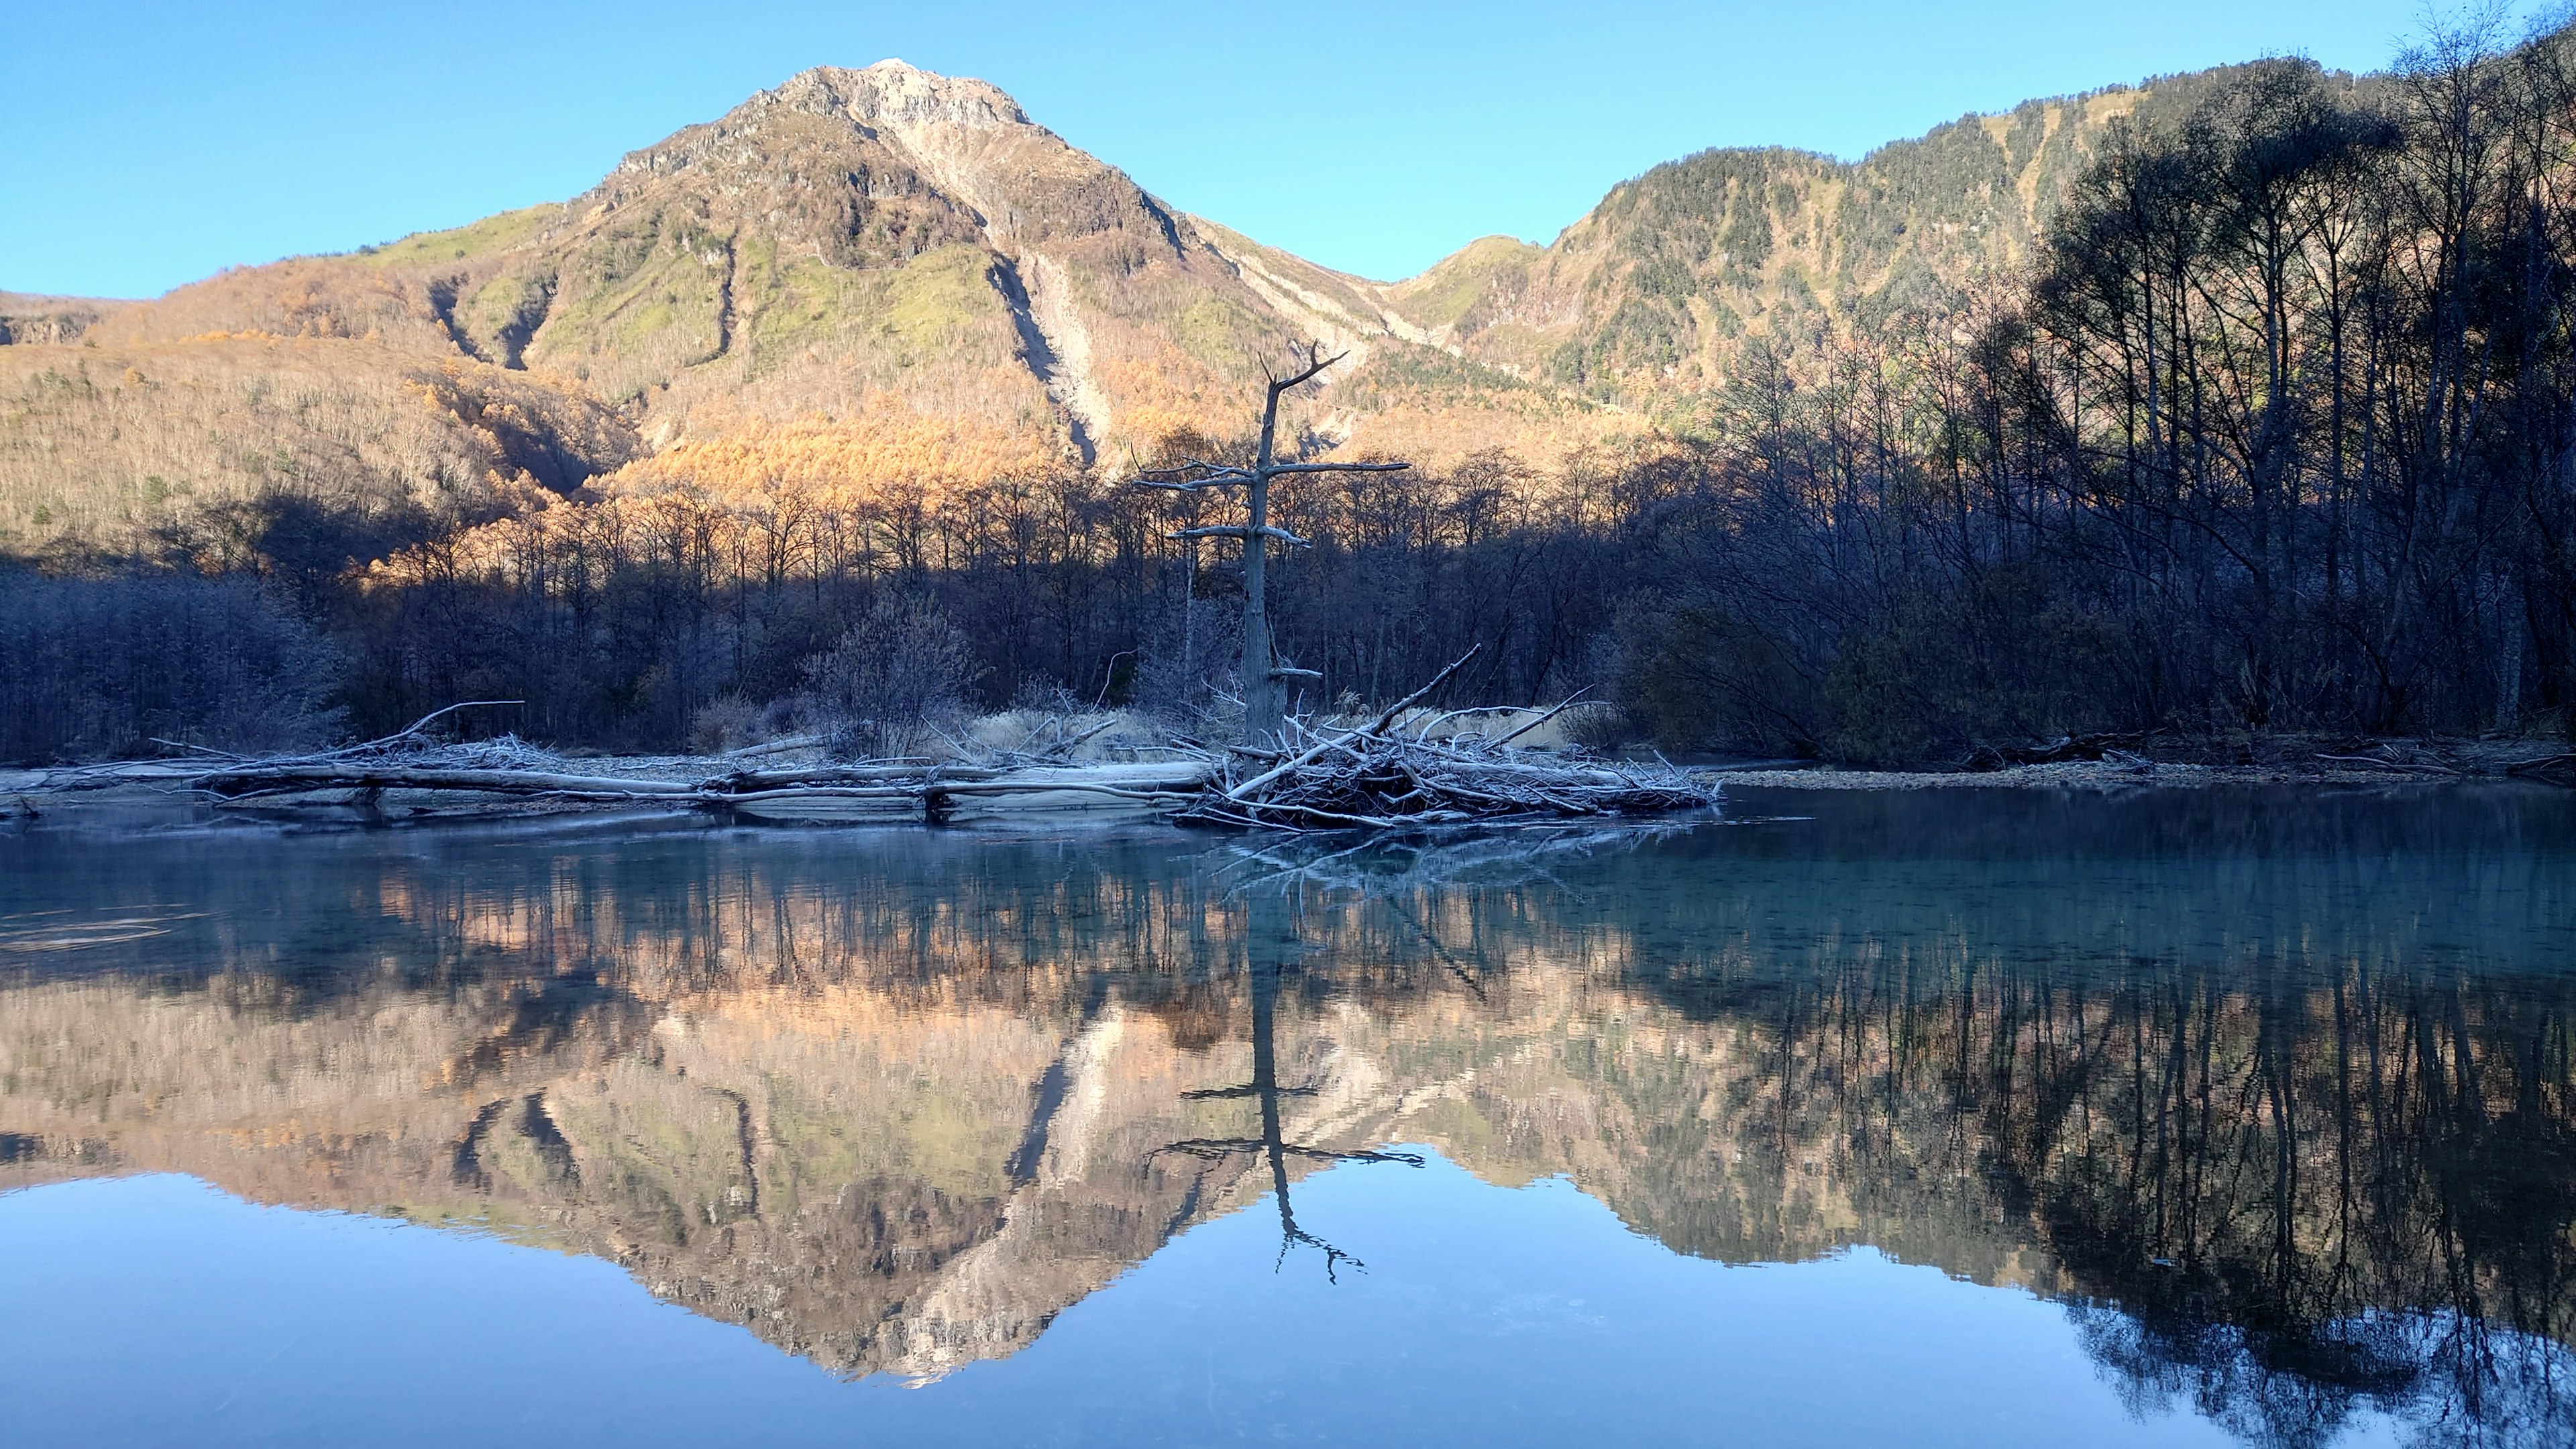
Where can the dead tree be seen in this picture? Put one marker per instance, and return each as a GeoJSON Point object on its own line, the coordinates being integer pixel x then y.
{"type": "Point", "coordinates": [1263, 679]}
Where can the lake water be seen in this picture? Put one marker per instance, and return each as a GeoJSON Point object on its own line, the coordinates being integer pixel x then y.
{"type": "Point", "coordinates": [1974, 1117]}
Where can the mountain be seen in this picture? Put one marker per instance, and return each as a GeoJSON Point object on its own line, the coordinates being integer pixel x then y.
{"type": "Point", "coordinates": [32, 319]}
{"type": "Point", "coordinates": [884, 276]}
{"type": "Point", "coordinates": [1650, 299]}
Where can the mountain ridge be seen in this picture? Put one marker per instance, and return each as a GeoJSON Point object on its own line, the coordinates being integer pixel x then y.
{"type": "Point", "coordinates": [911, 266]}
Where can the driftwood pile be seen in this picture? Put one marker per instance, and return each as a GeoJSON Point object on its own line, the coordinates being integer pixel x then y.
{"type": "Point", "coordinates": [1372, 776]}
{"type": "Point", "coordinates": [1382, 776]}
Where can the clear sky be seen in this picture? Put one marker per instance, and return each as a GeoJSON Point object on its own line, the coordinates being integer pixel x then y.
{"type": "Point", "coordinates": [144, 144]}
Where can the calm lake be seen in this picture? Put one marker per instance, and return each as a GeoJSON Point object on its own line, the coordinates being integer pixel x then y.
{"type": "Point", "coordinates": [1967, 1117]}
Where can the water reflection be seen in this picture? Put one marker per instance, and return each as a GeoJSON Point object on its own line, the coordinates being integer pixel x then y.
{"type": "Point", "coordinates": [2274, 1095]}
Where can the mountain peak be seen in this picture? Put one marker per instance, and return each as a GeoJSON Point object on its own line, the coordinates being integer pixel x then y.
{"type": "Point", "coordinates": [893, 93]}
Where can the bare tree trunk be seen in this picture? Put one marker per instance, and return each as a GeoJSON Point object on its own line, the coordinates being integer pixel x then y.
{"type": "Point", "coordinates": [1265, 703]}
{"type": "Point", "coordinates": [1263, 681]}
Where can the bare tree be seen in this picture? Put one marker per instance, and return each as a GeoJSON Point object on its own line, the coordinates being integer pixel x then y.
{"type": "Point", "coordinates": [1263, 679]}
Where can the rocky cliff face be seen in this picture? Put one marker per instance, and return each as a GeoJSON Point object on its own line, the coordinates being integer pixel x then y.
{"type": "Point", "coordinates": [32, 321]}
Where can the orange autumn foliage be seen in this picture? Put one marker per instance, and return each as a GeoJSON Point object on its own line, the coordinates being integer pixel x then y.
{"type": "Point", "coordinates": [843, 462]}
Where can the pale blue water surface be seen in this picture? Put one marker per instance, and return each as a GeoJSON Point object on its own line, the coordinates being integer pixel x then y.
{"type": "Point", "coordinates": [1970, 1118]}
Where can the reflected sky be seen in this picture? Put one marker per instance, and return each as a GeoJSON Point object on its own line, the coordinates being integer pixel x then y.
{"type": "Point", "coordinates": [1491, 1316]}
{"type": "Point", "coordinates": [1983, 1117]}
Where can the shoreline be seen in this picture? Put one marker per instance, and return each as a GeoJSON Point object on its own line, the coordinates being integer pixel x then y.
{"type": "Point", "coordinates": [2100, 775]}
{"type": "Point", "coordinates": [2096, 765]}
{"type": "Point", "coordinates": [2273, 761]}
{"type": "Point", "coordinates": [34, 794]}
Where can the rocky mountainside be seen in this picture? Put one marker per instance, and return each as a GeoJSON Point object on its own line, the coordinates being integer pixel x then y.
{"type": "Point", "coordinates": [1650, 300]}
{"type": "Point", "coordinates": [881, 276]}
{"type": "Point", "coordinates": [25, 318]}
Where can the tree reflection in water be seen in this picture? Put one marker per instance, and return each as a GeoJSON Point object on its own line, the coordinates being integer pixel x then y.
{"type": "Point", "coordinates": [1274, 876]}
{"type": "Point", "coordinates": [2276, 1188]}
{"type": "Point", "coordinates": [2277, 1101]}
{"type": "Point", "coordinates": [1271, 1146]}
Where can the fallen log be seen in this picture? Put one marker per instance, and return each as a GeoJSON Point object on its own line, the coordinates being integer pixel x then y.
{"type": "Point", "coordinates": [2554, 769]}
{"type": "Point", "coordinates": [264, 780]}
{"type": "Point", "coordinates": [1376, 775]}
{"type": "Point", "coordinates": [2065, 749]}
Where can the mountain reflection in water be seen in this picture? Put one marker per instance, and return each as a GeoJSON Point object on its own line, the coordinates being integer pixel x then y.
{"type": "Point", "coordinates": [2272, 1094]}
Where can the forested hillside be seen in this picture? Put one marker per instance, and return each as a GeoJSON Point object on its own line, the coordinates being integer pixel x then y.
{"type": "Point", "coordinates": [1652, 299]}
{"type": "Point", "coordinates": [880, 279]}
{"type": "Point", "coordinates": [2232, 404]}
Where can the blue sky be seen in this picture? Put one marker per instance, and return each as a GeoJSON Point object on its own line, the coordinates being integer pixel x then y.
{"type": "Point", "coordinates": [145, 144]}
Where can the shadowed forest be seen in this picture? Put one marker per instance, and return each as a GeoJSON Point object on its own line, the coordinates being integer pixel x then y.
{"type": "Point", "coordinates": [2274, 431]}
